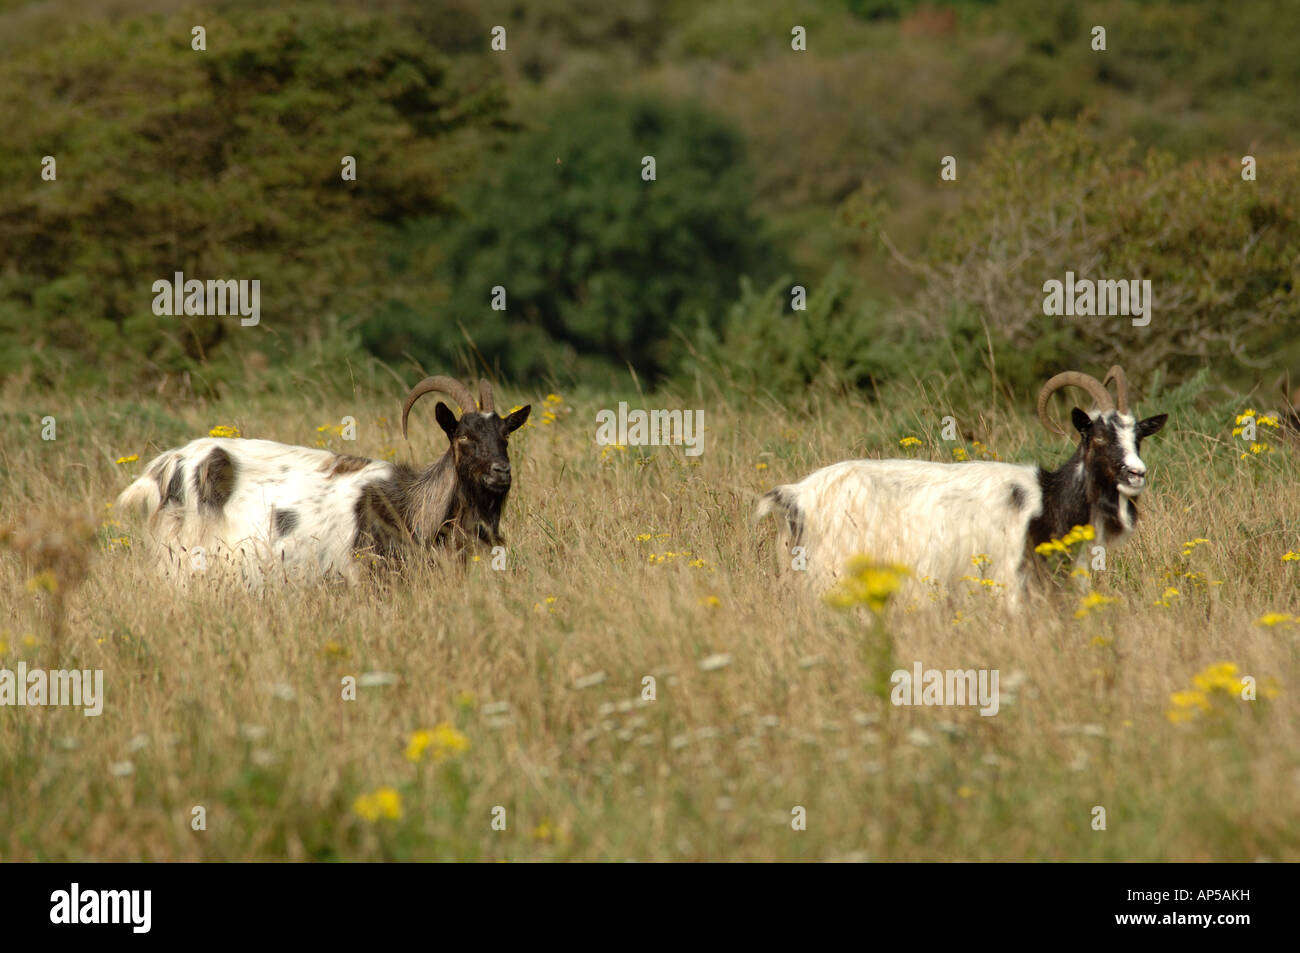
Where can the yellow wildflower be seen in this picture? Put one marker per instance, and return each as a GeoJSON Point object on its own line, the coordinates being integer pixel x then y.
{"type": "Point", "coordinates": [443, 742]}
{"type": "Point", "coordinates": [1220, 677]}
{"type": "Point", "coordinates": [1271, 619]}
{"type": "Point", "coordinates": [383, 804]}
{"type": "Point", "coordinates": [909, 442]}
{"type": "Point", "coordinates": [221, 430]}
{"type": "Point", "coordinates": [868, 583]}
{"type": "Point", "coordinates": [1093, 601]}
{"type": "Point", "coordinates": [131, 459]}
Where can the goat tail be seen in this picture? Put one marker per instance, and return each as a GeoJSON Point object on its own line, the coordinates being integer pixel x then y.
{"type": "Point", "coordinates": [779, 501]}
{"type": "Point", "coordinates": [143, 494]}
{"type": "Point", "coordinates": [146, 493]}
{"type": "Point", "coordinates": [784, 502]}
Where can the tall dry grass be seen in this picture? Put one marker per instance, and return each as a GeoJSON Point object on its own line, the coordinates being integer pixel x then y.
{"type": "Point", "coordinates": [219, 699]}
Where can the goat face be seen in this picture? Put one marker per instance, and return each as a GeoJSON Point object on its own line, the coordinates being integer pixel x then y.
{"type": "Point", "coordinates": [1109, 449]}
{"type": "Point", "coordinates": [478, 446]}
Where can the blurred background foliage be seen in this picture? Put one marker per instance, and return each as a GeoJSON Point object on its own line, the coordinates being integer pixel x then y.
{"type": "Point", "coordinates": [522, 169]}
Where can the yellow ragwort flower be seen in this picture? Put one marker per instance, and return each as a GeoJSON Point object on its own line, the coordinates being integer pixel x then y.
{"type": "Point", "coordinates": [1271, 619]}
{"type": "Point", "coordinates": [441, 743]}
{"type": "Point", "coordinates": [383, 804]}
{"type": "Point", "coordinates": [868, 583]}
{"type": "Point", "coordinates": [1093, 601]}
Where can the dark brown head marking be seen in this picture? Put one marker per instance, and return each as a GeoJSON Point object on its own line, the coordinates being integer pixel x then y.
{"type": "Point", "coordinates": [175, 489]}
{"type": "Point", "coordinates": [214, 479]}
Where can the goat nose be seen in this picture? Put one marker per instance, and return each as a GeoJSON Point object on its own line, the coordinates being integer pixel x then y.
{"type": "Point", "coordinates": [501, 468]}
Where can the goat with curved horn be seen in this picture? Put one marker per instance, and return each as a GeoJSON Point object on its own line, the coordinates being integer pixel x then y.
{"type": "Point", "coordinates": [1116, 374]}
{"type": "Point", "coordinates": [444, 385]}
{"type": "Point", "coordinates": [932, 516]}
{"type": "Point", "coordinates": [1077, 379]}
{"type": "Point", "coordinates": [271, 510]}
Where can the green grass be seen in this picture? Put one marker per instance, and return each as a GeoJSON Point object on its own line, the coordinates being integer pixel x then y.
{"type": "Point", "coordinates": [220, 699]}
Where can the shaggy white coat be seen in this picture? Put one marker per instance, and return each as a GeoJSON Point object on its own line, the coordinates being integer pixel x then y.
{"type": "Point", "coordinates": [269, 477]}
{"type": "Point", "coordinates": [931, 517]}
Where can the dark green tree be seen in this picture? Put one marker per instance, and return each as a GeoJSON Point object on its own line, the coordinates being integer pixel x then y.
{"type": "Point", "coordinates": [598, 264]}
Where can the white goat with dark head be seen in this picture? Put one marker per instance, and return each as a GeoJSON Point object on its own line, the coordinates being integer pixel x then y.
{"type": "Point", "coordinates": [270, 509]}
{"type": "Point", "coordinates": [934, 517]}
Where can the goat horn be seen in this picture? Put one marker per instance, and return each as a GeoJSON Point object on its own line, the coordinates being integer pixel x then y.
{"type": "Point", "coordinates": [446, 385]}
{"type": "Point", "coordinates": [485, 396]}
{"type": "Point", "coordinates": [1116, 374]}
{"type": "Point", "coordinates": [1065, 379]}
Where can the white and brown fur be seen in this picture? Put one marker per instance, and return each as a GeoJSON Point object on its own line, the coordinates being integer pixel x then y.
{"type": "Point", "coordinates": [271, 511]}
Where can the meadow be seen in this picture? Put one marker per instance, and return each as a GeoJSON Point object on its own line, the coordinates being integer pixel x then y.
{"type": "Point", "coordinates": [524, 689]}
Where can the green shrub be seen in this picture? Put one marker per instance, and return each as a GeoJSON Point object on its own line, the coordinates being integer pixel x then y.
{"type": "Point", "coordinates": [1220, 253]}
{"type": "Point", "coordinates": [219, 164]}
{"type": "Point", "coordinates": [599, 266]}
{"type": "Point", "coordinates": [764, 348]}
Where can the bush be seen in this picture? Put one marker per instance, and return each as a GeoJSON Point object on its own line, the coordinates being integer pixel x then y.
{"type": "Point", "coordinates": [599, 266]}
{"type": "Point", "coordinates": [1220, 253]}
{"type": "Point", "coordinates": [221, 164]}
{"type": "Point", "coordinates": [764, 348]}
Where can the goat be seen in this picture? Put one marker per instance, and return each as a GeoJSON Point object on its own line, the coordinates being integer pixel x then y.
{"type": "Point", "coordinates": [934, 517]}
{"type": "Point", "coordinates": [254, 504]}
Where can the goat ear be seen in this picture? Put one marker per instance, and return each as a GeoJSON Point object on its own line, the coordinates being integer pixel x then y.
{"type": "Point", "coordinates": [516, 420]}
{"type": "Point", "coordinates": [1082, 422]}
{"type": "Point", "coordinates": [446, 419]}
{"type": "Point", "coordinates": [1151, 425]}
